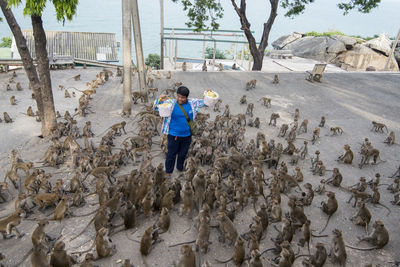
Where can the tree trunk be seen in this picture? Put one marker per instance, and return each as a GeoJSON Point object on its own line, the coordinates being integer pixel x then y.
{"type": "Point", "coordinates": [127, 57]}
{"type": "Point", "coordinates": [49, 114]}
{"type": "Point", "coordinates": [256, 52]}
{"type": "Point", "coordinates": [26, 58]}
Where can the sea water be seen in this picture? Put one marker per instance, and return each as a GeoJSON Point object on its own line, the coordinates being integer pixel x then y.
{"type": "Point", "coordinates": [321, 16]}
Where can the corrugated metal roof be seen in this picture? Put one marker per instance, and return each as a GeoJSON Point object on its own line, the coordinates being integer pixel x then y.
{"type": "Point", "coordinates": [85, 45]}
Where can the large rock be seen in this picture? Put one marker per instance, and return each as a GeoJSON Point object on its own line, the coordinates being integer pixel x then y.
{"type": "Point", "coordinates": [282, 41]}
{"type": "Point", "coordinates": [309, 47]}
{"type": "Point", "coordinates": [335, 46]}
{"type": "Point", "coordinates": [362, 57]}
{"type": "Point", "coordinates": [381, 44]}
{"type": "Point", "coordinates": [348, 41]}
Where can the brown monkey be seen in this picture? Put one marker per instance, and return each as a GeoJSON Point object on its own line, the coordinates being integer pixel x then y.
{"type": "Point", "coordinates": [184, 67]}
{"type": "Point", "coordinates": [376, 126]}
{"type": "Point", "coordinates": [188, 257]}
{"type": "Point", "coordinates": [77, 77]}
{"type": "Point", "coordinates": [227, 228]}
{"type": "Point", "coordinates": [10, 223]}
{"type": "Point", "coordinates": [319, 258]}
{"type": "Point", "coordinates": [391, 139]}
{"type": "Point", "coordinates": [38, 257]}
{"type": "Point", "coordinates": [8, 88]}
{"type": "Point", "coordinates": [362, 216]}
{"type": "Point", "coordinates": [61, 209]}
{"type": "Point", "coordinates": [7, 118]}
{"type": "Point", "coordinates": [251, 84]}
{"type": "Point", "coordinates": [39, 237]}
{"type": "Point", "coordinates": [266, 101]}
{"type": "Point", "coordinates": [322, 123]}
{"type": "Point", "coordinates": [66, 94]}
{"type": "Point", "coordinates": [87, 129]}
{"type": "Point", "coordinates": [13, 100]}
{"type": "Point", "coordinates": [249, 110]}
{"type": "Point", "coordinates": [329, 207]}
{"type": "Point", "coordinates": [88, 261]}
{"type": "Point", "coordinates": [204, 67]}
{"type": "Point", "coordinates": [239, 252]}
{"type": "Point", "coordinates": [102, 247]}
{"type": "Point", "coordinates": [18, 86]}
{"type": "Point", "coordinates": [273, 118]}
{"type": "Point", "coordinates": [29, 112]}
{"type": "Point", "coordinates": [11, 80]}
{"type": "Point", "coordinates": [338, 250]}
{"type": "Point", "coordinates": [276, 79]}
{"type": "Point", "coordinates": [130, 215]}
{"type": "Point", "coordinates": [283, 130]}
{"type": "Point", "coordinates": [379, 238]}
{"type": "Point", "coordinates": [336, 130]}
{"type": "Point", "coordinates": [315, 136]}
{"type": "Point", "coordinates": [347, 157]}
{"type": "Point", "coordinates": [164, 220]}
{"type": "Point", "coordinates": [303, 126]}
{"type": "Point", "coordinates": [243, 100]}
{"type": "Point", "coordinates": [336, 178]}
{"type": "Point", "coordinates": [59, 257]}
{"type": "Point", "coordinates": [187, 195]}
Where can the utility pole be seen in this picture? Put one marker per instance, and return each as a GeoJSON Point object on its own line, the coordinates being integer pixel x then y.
{"type": "Point", "coordinates": [138, 46]}
{"type": "Point", "coordinates": [127, 57]}
{"type": "Point", "coordinates": [392, 51]}
{"type": "Point", "coordinates": [162, 34]}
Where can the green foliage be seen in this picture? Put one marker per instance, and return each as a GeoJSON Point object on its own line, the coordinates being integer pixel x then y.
{"type": "Point", "coordinates": [200, 12]}
{"type": "Point", "coordinates": [65, 9]}
{"type": "Point", "coordinates": [219, 54]}
{"type": "Point", "coordinates": [6, 42]}
{"type": "Point", "coordinates": [320, 34]}
{"type": "Point", "coordinates": [363, 6]}
{"type": "Point", "coordinates": [295, 7]}
{"type": "Point", "coordinates": [153, 60]}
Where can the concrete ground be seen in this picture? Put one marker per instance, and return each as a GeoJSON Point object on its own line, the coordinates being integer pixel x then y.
{"type": "Point", "coordinates": [348, 100]}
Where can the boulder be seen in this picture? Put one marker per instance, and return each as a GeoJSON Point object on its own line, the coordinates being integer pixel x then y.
{"type": "Point", "coordinates": [309, 47]}
{"type": "Point", "coordinates": [282, 41]}
{"type": "Point", "coordinates": [382, 44]}
{"type": "Point", "coordinates": [361, 57]}
{"type": "Point", "coordinates": [348, 41]}
{"type": "Point", "coordinates": [335, 46]}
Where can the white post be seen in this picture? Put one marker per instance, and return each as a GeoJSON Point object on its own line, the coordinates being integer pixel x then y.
{"type": "Point", "coordinates": [126, 57]}
{"type": "Point", "coordinates": [215, 51]}
{"type": "Point", "coordinates": [176, 53]}
{"type": "Point", "coordinates": [162, 34]}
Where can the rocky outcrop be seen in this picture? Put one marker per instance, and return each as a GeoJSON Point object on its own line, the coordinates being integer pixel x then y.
{"type": "Point", "coordinates": [282, 41]}
{"type": "Point", "coordinates": [347, 52]}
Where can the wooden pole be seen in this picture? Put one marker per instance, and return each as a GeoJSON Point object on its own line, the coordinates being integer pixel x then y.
{"type": "Point", "coordinates": [162, 34]}
{"type": "Point", "coordinates": [204, 48]}
{"type": "Point", "coordinates": [392, 51]}
{"type": "Point", "coordinates": [176, 53]}
{"type": "Point", "coordinates": [126, 57]}
{"type": "Point", "coordinates": [138, 46]}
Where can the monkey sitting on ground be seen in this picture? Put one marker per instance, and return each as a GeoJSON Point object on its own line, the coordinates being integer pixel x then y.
{"type": "Point", "coordinates": [362, 216]}
{"type": "Point", "coordinates": [338, 250]}
{"type": "Point", "coordinates": [251, 84]}
{"type": "Point", "coordinates": [77, 77]}
{"type": "Point", "coordinates": [336, 130]}
{"type": "Point", "coordinates": [379, 238]}
{"type": "Point", "coordinates": [59, 257]}
{"type": "Point", "coordinates": [66, 94]}
{"type": "Point", "coordinates": [243, 100]}
{"type": "Point", "coordinates": [347, 157]}
{"type": "Point", "coordinates": [18, 86]}
{"type": "Point", "coordinates": [276, 79]}
{"type": "Point", "coordinates": [329, 207]}
{"type": "Point", "coordinates": [13, 101]}
{"type": "Point", "coordinates": [391, 139]}
{"type": "Point", "coordinates": [322, 123]}
{"type": "Point", "coordinates": [102, 247]}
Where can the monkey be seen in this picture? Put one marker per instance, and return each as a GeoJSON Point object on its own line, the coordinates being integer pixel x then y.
{"type": "Point", "coordinates": [102, 248]}
{"type": "Point", "coordinates": [59, 257]}
{"type": "Point", "coordinates": [316, 133]}
{"type": "Point", "coordinates": [338, 250]}
{"type": "Point", "coordinates": [130, 215]}
{"type": "Point", "coordinates": [276, 211]}
{"type": "Point", "coordinates": [38, 257]}
{"type": "Point", "coordinates": [274, 116]}
{"type": "Point", "coordinates": [13, 101]}
{"type": "Point", "coordinates": [187, 195]}
{"type": "Point", "coordinates": [152, 91]}
{"type": "Point", "coordinates": [39, 237]}
{"type": "Point", "coordinates": [147, 204]}
{"type": "Point", "coordinates": [329, 207]}
{"type": "Point", "coordinates": [61, 209]}
{"type": "Point", "coordinates": [188, 257]}
{"type": "Point", "coordinates": [257, 122]}
{"type": "Point", "coordinates": [239, 253]}
{"type": "Point", "coordinates": [322, 123]}
{"type": "Point", "coordinates": [266, 101]}
{"type": "Point", "coordinates": [13, 177]}
{"type": "Point", "coordinates": [164, 220]}
{"type": "Point", "coordinates": [367, 154]}
{"type": "Point", "coordinates": [168, 75]}
{"type": "Point", "coordinates": [379, 238]}
{"type": "Point", "coordinates": [117, 128]}
{"type": "Point", "coordinates": [220, 67]}
{"type": "Point", "coordinates": [29, 112]}
{"type": "Point", "coordinates": [11, 80]}
{"type": "Point", "coordinates": [347, 157]}
{"type": "Point", "coordinates": [319, 258]}
{"type": "Point", "coordinates": [251, 84]}
{"type": "Point", "coordinates": [362, 216]}
{"type": "Point", "coordinates": [234, 66]}
{"type": "Point", "coordinates": [44, 200]}
{"type": "Point", "coordinates": [336, 178]}
{"type": "Point", "coordinates": [87, 131]}
{"type": "Point", "coordinates": [217, 106]}
{"type": "Point", "coordinates": [227, 228]}
{"type": "Point", "coordinates": [243, 100]}
{"type": "Point", "coordinates": [376, 196]}
{"type": "Point", "coordinates": [77, 77]}
{"type": "Point", "coordinates": [249, 110]}
{"type": "Point", "coordinates": [10, 223]}
{"type": "Point", "coordinates": [276, 79]}
{"type": "Point", "coordinates": [296, 115]}
{"type": "Point", "coordinates": [73, 94]}
{"type": "Point", "coordinates": [283, 130]}
{"type": "Point", "coordinates": [309, 196]}
{"type": "Point", "coordinates": [391, 139]}
{"type": "Point", "coordinates": [204, 67]}
{"type": "Point", "coordinates": [88, 261]}
{"type": "Point", "coordinates": [376, 126]}
{"type": "Point", "coordinates": [336, 130]}
{"type": "Point", "coordinates": [146, 243]}
{"type": "Point", "coordinates": [7, 118]}
{"type": "Point", "coordinates": [23, 166]}
{"type": "Point", "coordinates": [303, 126]}
{"type": "Point", "coordinates": [18, 86]}
{"type": "Point", "coordinates": [306, 231]}
{"type": "Point", "coordinates": [66, 94]}
{"type": "Point", "coordinates": [184, 67]}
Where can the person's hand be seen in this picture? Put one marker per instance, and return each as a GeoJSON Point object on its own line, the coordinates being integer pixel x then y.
{"type": "Point", "coordinates": [163, 97]}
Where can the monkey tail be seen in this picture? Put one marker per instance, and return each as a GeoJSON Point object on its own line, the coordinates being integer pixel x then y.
{"type": "Point", "coordinates": [327, 221]}
{"type": "Point", "coordinates": [220, 261]}
{"type": "Point", "coordinates": [74, 89]}
{"type": "Point", "coordinates": [389, 211]}
{"type": "Point", "coordinates": [362, 249]}
{"type": "Point", "coordinates": [182, 243]}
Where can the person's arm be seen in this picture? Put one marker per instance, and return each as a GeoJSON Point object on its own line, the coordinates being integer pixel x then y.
{"type": "Point", "coordinates": [200, 102]}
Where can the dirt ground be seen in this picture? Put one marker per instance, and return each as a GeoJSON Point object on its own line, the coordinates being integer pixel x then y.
{"type": "Point", "coordinates": [348, 100]}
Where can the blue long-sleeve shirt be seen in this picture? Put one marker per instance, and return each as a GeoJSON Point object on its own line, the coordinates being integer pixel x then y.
{"type": "Point", "coordinates": [176, 124]}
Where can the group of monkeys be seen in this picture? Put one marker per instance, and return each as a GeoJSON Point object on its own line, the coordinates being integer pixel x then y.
{"type": "Point", "coordinates": [223, 174]}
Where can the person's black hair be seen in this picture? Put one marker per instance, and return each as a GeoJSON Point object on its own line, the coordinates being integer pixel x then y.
{"type": "Point", "coordinates": [183, 90]}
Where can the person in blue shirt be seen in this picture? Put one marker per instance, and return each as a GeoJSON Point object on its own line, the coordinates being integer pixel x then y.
{"type": "Point", "coordinates": [177, 127]}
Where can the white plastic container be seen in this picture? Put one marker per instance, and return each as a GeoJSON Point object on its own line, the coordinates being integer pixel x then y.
{"type": "Point", "coordinates": [210, 100]}
{"type": "Point", "coordinates": [165, 110]}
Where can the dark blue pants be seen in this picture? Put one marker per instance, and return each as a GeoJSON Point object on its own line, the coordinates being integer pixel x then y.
{"type": "Point", "coordinates": [176, 146]}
